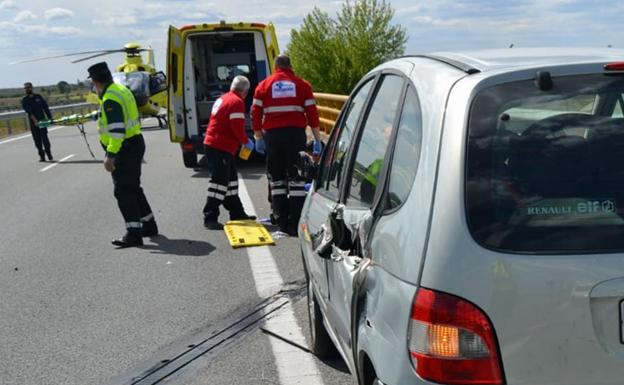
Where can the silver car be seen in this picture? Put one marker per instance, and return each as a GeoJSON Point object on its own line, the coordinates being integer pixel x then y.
{"type": "Point", "coordinates": [466, 222]}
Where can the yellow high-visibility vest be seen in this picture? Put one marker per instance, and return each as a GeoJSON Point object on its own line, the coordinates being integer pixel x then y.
{"type": "Point", "coordinates": [112, 135]}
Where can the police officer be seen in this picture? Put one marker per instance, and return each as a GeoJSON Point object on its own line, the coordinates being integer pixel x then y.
{"type": "Point", "coordinates": [224, 135]}
{"type": "Point", "coordinates": [37, 109]}
{"type": "Point", "coordinates": [283, 105]}
{"type": "Point", "coordinates": [120, 136]}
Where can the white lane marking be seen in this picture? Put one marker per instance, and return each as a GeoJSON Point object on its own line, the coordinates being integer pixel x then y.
{"type": "Point", "coordinates": [294, 366]}
{"type": "Point", "coordinates": [28, 136]}
{"type": "Point", "coordinates": [57, 163]}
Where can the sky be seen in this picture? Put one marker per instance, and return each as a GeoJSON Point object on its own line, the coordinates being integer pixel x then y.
{"type": "Point", "coordinates": [37, 28]}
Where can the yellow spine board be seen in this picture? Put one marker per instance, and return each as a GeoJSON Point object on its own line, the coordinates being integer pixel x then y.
{"type": "Point", "coordinates": [247, 233]}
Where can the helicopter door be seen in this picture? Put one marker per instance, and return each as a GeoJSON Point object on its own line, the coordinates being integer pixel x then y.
{"type": "Point", "coordinates": [175, 111]}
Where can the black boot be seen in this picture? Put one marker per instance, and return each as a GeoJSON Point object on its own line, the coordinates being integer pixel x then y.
{"type": "Point", "coordinates": [212, 224]}
{"type": "Point", "coordinates": [150, 229]}
{"type": "Point", "coordinates": [128, 240]}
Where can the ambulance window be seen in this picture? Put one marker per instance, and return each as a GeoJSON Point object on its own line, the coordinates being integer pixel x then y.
{"type": "Point", "coordinates": [174, 71]}
{"type": "Point", "coordinates": [375, 137]}
{"type": "Point", "coordinates": [341, 142]}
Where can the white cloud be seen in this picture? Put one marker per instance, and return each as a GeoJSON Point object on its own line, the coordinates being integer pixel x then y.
{"type": "Point", "coordinates": [24, 15]}
{"type": "Point", "coordinates": [57, 13]}
{"type": "Point", "coordinates": [65, 31]}
{"type": "Point", "coordinates": [8, 4]}
{"type": "Point", "coordinates": [117, 21]}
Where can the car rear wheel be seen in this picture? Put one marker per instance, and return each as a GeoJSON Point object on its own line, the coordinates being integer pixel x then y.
{"type": "Point", "coordinates": [190, 159]}
{"type": "Point", "coordinates": [322, 345]}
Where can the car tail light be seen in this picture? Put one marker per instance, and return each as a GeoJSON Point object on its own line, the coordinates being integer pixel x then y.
{"type": "Point", "coordinates": [617, 66]}
{"type": "Point", "coordinates": [451, 341]}
{"type": "Point", "coordinates": [188, 146]}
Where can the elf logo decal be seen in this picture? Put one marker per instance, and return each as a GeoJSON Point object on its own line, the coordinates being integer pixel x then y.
{"type": "Point", "coordinates": [584, 207]}
{"type": "Point", "coordinates": [284, 89]}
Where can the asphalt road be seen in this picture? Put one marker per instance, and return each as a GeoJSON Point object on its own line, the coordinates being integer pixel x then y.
{"type": "Point", "coordinates": [184, 309]}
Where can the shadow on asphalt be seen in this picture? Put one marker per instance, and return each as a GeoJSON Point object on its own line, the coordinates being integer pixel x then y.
{"type": "Point", "coordinates": [181, 247]}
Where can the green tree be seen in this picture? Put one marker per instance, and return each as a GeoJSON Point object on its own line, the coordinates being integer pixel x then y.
{"type": "Point", "coordinates": [334, 54]}
{"type": "Point", "coordinates": [63, 87]}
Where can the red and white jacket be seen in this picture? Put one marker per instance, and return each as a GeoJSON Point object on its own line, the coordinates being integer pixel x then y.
{"type": "Point", "coordinates": [226, 129]}
{"type": "Point", "coordinates": [283, 100]}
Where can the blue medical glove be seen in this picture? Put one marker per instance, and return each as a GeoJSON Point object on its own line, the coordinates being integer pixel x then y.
{"type": "Point", "coordinates": [317, 148]}
{"type": "Point", "coordinates": [260, 146]}
{"type": "Point", "coordinates": [249, 145]}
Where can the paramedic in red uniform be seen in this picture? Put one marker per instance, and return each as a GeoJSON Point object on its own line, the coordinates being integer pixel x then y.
{"type": "Point", "coordinates": [224, 135]}
{"type": "Point", "coordinates": [283, 105]}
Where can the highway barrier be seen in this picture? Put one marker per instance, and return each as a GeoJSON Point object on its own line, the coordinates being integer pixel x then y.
{"type": "Point", "coordinates": [329, 106]}
{"type": "Point", "coordinates": [16, 122]}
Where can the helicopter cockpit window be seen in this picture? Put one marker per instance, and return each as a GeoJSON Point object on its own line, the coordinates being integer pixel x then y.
{"type": "Point", "coordinates": [137, 82]}
{"type": "Point", "coordinates": [230, 71]}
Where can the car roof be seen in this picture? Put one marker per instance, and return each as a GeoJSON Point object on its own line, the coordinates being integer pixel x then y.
{"type": "Point", "coordinates": [499, 60]}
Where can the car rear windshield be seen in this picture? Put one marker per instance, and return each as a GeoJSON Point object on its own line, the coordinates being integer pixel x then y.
{"type": "Point", "coordinates": [545, 168]}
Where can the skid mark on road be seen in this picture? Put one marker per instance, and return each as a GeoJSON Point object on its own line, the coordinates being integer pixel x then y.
{"type": "Point", "coordinates": [57, 163]}
{"type": "Point", "coordinates": [293, 365]}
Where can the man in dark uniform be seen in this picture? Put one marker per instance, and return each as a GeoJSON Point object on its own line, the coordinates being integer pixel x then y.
{"type": "Point", "coordinates": [120, 135]}
{"type": "Point", "coordinates": [37, 109]}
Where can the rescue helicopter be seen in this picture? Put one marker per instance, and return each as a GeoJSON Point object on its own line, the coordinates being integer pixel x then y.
{"type": "Point", "coordinates": [141, 77]}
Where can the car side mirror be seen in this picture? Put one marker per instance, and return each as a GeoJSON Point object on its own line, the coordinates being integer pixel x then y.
{"type": "Point", "coordinates": [157, 83]}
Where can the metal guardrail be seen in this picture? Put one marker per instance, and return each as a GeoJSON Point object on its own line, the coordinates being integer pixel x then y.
{"type": "Point", "coordinates": [329, 106]}
{"type": "Point", "coordinates": [7, 117]}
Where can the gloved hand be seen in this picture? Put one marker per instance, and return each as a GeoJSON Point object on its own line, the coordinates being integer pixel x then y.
{"type": "Point", "coordinates": [260, 146]}
{"type": "Point", "coordinates": [249, 145]}
{"type": "Point", "coordinates": [317, 148]}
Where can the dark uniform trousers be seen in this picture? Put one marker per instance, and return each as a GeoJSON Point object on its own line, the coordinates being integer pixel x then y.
{"type": "Point", "coordinates": [127, 181]}
{"type": "Point", "coordinates": [287, 187]}
{"type": "Point", "coordinates": [223, 185]}
{"type": "Point", "coordinates": [40, 137]}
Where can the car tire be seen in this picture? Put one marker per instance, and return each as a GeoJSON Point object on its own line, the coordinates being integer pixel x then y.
{"type": "Point", "coordinates": [189, 158]}
{"type": "Point", "coordinates": [321, 344]}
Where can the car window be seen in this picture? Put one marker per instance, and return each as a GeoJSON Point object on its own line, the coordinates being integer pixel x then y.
{"type": "Point", "coordinates": [373, 144]}
{"type": "Point", "coordinates": [406, 151]}
{"type": "Point", "coordinates": [340, 144]}
{"type": "Point", "coordinates": [618, 112]}
{"type": "Point", "coordinates": [556, 184]}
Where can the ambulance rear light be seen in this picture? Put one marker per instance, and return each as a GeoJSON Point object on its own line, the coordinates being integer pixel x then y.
{"type": "Point", "coordinates": [451, 341]}
{"type": "Point", "coordinates": [259, 25]}
{"type": "Point", "coordinates": [187, 27]}
{"type": "Point", "coordinates": [188, 146]}
{"type": "Point", "coordinates": [616, 66]}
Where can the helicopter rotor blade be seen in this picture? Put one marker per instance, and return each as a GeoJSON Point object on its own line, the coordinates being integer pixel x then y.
{"type": "Point", "coordinates": [67, 55]}
{"type": "Point", "coordinates": [97, 55]}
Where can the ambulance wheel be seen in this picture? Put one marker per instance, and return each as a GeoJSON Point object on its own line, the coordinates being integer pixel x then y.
{"type": "Point", "coordinates": [190, 159]}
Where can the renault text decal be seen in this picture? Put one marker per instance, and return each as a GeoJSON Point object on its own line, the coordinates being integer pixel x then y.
{"type": "Point", "coordinates": [584, 207]}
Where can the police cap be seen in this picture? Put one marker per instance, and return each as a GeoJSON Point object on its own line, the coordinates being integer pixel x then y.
{"type": "Point", "coordinates": [99, 72]}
